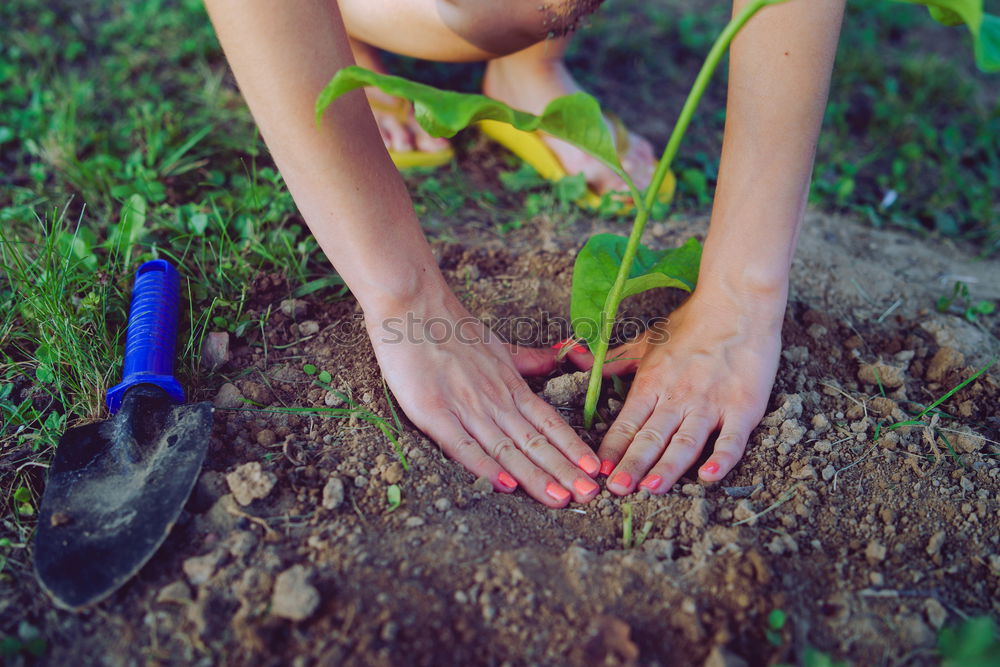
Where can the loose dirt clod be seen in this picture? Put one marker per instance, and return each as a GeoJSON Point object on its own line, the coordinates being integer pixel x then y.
{"type": "Point", "coordinates": [250, 482]}
{"type": "Point", "coordinates": [945, 360]}
{"type": "Point", "coordinates": [567, 390]}
{"type": "Point", "coordinates": [890, 377]}
{"type": "Point", "coordinates": [294, 597]}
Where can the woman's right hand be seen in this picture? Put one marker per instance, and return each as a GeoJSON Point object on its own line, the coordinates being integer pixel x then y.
{"type": "Point", "coordinates": [462, 386]}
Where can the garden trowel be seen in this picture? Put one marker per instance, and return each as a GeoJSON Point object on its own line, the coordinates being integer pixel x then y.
{"type": "Point", "coordinates": [116, 487]}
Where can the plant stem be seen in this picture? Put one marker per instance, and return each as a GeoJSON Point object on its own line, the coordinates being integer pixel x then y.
{"type": "Point", "coordinates": [718, 49]}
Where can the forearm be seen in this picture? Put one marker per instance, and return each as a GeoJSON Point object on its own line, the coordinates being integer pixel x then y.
{"type": "Point", "coordinates": [780, 66]}
{"type": "Point", "coordinates": [340, 175]}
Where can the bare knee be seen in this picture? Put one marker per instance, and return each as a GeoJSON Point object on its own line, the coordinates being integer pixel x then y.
{"type": "Point", "coordinates": [506, 27]}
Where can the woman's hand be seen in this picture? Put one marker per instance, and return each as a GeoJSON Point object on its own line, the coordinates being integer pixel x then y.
{"type": "Point", "coordinates": [462, 386]}
{"type": "Point", "coordinates": [709, 367]}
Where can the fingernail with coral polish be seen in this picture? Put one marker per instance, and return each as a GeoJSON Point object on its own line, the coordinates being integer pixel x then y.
{"type": "Point", "coordinates": [710, 468]}
{"type": "Point", "coordinates": [589, 464]}
{"type": "Point", "coordinates": [507, 481]}
{"type": "Point", "coordinates": [607, 467]}
{"type": "Point", "coordinates": [622, 479]}
{"type": "Point", "coordinates": [652, 482]}
{"type": "Point", "coordinates": [584, 486]}
{"type": "Point", "coordinates": [556, 492]}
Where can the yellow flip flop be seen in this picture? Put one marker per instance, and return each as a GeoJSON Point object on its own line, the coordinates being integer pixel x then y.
{"type": "Point", "coordinates": [414, 158]}
{"type": "Point", "coordinates": [530, 148]}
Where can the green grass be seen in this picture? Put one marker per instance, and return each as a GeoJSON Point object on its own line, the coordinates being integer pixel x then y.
{"type": "Point", "coordinates": [123, 138]}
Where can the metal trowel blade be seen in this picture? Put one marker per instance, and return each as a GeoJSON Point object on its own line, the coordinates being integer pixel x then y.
{"type": "Point", "coordinates": [115, 490]}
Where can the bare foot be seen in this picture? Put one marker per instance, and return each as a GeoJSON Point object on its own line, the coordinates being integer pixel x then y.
{"type": "Point", "coordinates": [394, 116]}
{"type": "Point", "coordinates": [529, 80]}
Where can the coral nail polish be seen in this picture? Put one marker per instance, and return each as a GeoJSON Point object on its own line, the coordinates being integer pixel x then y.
{"type": "Point", "coordinates": [622, 479]}
{"type": "Point", "coordinates": [589, 464]}
{"type": "Point", "coordinates": [507, 481]}
{"type": "Point", "coordinates": [584, 486]}
{"type": "Point", "coordinates": [651, 482]}
{"type": "Point", "coordinates": [606, 467]}
{"type": "Point", "coordinates": [711, 468]}
{"type": "Point", "coordinates": [556, 492]}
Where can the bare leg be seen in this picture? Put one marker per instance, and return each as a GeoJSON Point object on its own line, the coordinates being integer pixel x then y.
{"type": "Point", "coordinates": [533, 77]}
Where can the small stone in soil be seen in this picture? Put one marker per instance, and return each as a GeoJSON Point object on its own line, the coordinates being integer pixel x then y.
{"type": "Point", "coordinates": [215, 350]}
{"type": "Point", "coordinates": [176, 593]}
{"type": "Point", "coordinates": [294, 597]}
{"type": "Point", "coordinates": [294, 308]}
{"type": "Point", "coordinates": [741, 491]}
{"type": "Point", "coordinates": [333, 493]}
{"type": "Point", "coordinates": [266, 437]}
{"type": "Point", "coordinates": [482, 485]}
{"type": "Point", "coordinates": [228, 397]}
{"type": "Point", "coordinates": [875, 552]}
{"type": "Point", "coordinates": [308, 328]}
{"type": "Point", "coordinates": [333, 400]}
{"type": "Point", "coordinates": [200, 569]}
{"type": "Point", "coordinates": [935, 543]}
{"type": "Point", "coordinates": [250, 482]}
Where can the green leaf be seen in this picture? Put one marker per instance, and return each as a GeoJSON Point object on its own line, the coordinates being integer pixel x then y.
{"type": "Point", "coordinates": [576, 118]}
{"type": "Point", "coordinates": [985, 28]}
{"type": "Point", "coordinates": [972, 643]}
{"type": "Point", "coordinates": [309, 369]}
{"type": "Point", "coordinates": [325, 377]}
{"type": "Point", "coordinates": [22, 495]}
{"type": "Point", "coordinates": [597, 265]}
{"type": "Point", "coordinates": [393, 496]}
{"type": "Point", "coordinates": [776, 619]}
{"type": "Point", "coordinates": [123, 236]}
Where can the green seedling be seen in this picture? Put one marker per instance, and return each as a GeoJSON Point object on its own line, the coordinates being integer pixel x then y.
{"type": "Point", "coordinates": [610, 268]}
{"type": "Point", "coordinates": [974, 643]}
{"type": "Point", "coordinates": [775, 623]}
{"type": "Point", "coordinates": [961, 303]}
{"type": "Point", "coordinates": [309, 369]}
{"type": "Point", "coordinates": [393, 497]}
{"type": "Point", "coordinates": [626, 525]}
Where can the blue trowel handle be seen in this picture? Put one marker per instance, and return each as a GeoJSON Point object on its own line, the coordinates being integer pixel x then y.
{"type": "Point", "coordinates": [152, 333]}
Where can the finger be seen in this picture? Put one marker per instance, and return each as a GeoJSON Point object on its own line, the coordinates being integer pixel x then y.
{"type": "Point", "coordinates": [682, 451]}
{"type": "Point", "coordinates": [729, 447]}
{"type": "Point", "coordinates": [542, 453]}
{"type": "Point", "coordinates": [637, 409]}
{"type": "Point", "coordinates": [538, 484]}
{"type": "Point", "coordinates": [549, 423]}
{"type": "Point", "coordinates": [532, 360]}
{"type": "Point", "coordinates": [645, 449]}
{"type": "Point", "coordinates": [446, 430]}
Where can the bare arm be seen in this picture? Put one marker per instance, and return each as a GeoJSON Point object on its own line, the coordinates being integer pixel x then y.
{"type": "Point", "coordinates": [715, 370]}
{"type": "Point", "coordinates": [468, 396]}
{"type": "Point", "coordinates": [778, 81]}
{"type": "Point", "coordinates": [339, 173]}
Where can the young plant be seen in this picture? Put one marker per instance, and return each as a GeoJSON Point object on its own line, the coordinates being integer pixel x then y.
{"type": "Point", "coordinates": [609, 267]}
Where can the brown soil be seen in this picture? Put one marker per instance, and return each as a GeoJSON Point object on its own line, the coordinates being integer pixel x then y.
{"type": "Point", "coordinates": [869, 539]}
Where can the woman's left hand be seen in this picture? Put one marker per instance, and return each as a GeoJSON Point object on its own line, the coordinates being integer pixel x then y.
{"type": "Point", "coordinates": [709, 367]}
